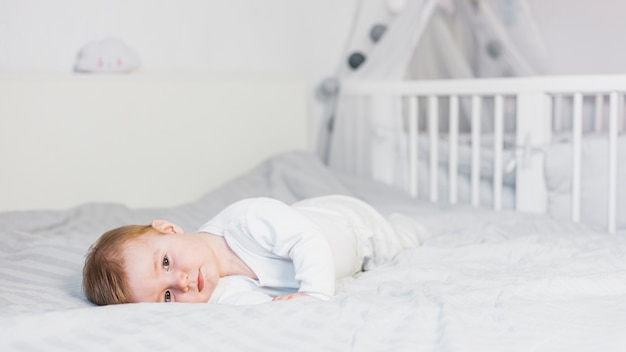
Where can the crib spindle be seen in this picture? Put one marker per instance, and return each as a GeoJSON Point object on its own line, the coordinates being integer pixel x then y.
{"type": "Point", "coordinates": [577, 128]}
{"type": "Point", "coordinates": [612, 190]}
{"type": "Point", "coordinates": [453, 147]}
{"type": "Point", "coordinates": [557, 121]}
{"type": "Point", "coordinates": [413, 144]}
{"type": "Point", "coordinates": [433, 127]}
{"type": "Point", "coordinates": [475, 130]}
{"type": "Point", "coordinates": [498, 145]}
{"type": "Point", "coordinates": [597, 118]}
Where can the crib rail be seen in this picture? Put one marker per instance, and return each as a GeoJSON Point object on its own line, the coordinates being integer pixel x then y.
{"type": "Point", "coordinates": [539, 114]}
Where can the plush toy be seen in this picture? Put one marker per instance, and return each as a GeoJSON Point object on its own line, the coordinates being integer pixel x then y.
{"type": "Point", "coordinates": [107, 56]}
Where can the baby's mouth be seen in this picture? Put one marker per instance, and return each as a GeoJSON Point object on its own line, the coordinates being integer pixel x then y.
{"type": "Point", "coordinates": [200, 280]}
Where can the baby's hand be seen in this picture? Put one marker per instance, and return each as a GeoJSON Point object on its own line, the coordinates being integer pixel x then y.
{"type": "Point", "coordinates": [289, 296]}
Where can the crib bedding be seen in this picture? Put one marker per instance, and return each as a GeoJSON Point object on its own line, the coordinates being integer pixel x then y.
{"type": "Point", "coordinates": [557, 174]}
{"type": "Point", "coordinates": [464, 169]}
{"type": "Point", "coordinates": [483, 281]}
{"type": "Point", "coordinates": [594, 164]}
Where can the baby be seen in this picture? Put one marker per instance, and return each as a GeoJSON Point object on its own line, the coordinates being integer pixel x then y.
{"type": "Point", "coordinates": [255, 250]}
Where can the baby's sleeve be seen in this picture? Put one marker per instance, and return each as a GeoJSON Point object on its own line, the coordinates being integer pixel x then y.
{"type": "Point", "coordinates": [288, 234]}
{"type": "Point", "coordinates": [238, 290]}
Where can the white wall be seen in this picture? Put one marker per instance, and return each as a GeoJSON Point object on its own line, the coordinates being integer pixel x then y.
{"type": "Point", "coordinates": [583, 36]}
{"type": "Point", "coordinates": [293, 37]}
{"type": "Point", "coordinates": [172, 35]}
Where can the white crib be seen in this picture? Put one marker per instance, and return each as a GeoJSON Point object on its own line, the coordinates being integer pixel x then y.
{"type": "Point", "coordinates": [543, 112]}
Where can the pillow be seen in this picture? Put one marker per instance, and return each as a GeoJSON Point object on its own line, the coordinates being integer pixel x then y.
{"type": "Point", "coordinates": [594, 181]}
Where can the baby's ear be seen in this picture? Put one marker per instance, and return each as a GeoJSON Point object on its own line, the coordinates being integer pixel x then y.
{"type": "Point", "coordinates": [166, 227]}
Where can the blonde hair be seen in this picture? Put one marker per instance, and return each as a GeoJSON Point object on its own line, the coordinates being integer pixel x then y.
{"type": "Point", "coordinates": [104, 276]}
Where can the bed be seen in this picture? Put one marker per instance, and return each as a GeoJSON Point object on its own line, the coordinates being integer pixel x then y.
{"type": "Point", "coordinates": [484, 280]}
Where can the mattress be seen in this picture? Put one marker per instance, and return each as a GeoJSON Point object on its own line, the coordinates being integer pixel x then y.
{"type": "Point", "coordinates": [483, 281]}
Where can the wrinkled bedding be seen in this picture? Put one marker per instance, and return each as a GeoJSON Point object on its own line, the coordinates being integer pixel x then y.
{"type": "Point", "coordinates": [483, 281]}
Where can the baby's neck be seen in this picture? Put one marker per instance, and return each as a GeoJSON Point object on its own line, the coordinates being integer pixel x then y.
{"type": "Point", "coordinates": [230, 263]}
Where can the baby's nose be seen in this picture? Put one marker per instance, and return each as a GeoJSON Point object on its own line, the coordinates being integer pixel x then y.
{"type": "Point", "coordinates": [182, 281]}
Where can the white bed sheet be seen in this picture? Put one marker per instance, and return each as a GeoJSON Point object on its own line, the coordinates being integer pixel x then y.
{"type": "Point", "coordinates": [484, 281]}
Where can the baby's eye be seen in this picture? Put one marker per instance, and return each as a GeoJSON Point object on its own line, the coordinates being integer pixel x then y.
{"type": "Point", "coordinates": [168, 296]}
{"type": "Point", "coordinates": [166, 263]}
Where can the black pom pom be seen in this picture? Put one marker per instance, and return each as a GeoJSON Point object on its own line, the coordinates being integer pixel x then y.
{"type": "Point", "coordinates": [355, 60]}
{"type": "Point", "coordinates": [377, 31]}
{"type": "Point", "coordinates": [494, 48]}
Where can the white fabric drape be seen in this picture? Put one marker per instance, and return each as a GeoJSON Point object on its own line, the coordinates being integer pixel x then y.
{"type": "Point", "coordinates": [426, 39]}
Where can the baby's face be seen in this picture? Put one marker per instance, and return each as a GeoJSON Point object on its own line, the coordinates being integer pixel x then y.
{"type": "Point", "coordinates": [170, 268]}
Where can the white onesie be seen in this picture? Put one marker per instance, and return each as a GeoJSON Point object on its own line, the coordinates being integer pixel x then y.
{"type": "Point", "coordinates": [304, 247]}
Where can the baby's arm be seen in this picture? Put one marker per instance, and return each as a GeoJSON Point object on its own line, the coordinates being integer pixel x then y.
{"type": "Point", "coordinates": [289, 234]}
{"type": "Point", "coordinates": [312, 260]}
{"type": "Point", "coordinates": [238, 290]}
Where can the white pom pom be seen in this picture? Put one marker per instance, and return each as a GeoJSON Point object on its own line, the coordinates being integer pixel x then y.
{"type": "Point", "coordinates": [395, 6]}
